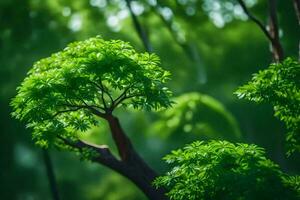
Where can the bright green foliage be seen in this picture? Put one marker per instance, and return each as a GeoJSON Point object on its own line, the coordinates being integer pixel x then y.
{"type": "Point", "coordinates": [199, 114]}
{"type": "Point", "coordinates": [279, 85]}
{"type": "Point", "coordinates": [62, 92]}
{"type": "Point", "coordinates": [222, 170]}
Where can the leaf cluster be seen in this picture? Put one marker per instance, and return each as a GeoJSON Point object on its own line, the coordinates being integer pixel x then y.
{"type": "Point", "coordinates": [279, 85]}
{"type": "Point", "coordinates": [223, 170]}
{"type": "Point", "coordinates": [62, 93]}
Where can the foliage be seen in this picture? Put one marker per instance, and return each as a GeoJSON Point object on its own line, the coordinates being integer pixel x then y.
{"type": "Point", "coordinates": [63, 92]}
{"type": "Point", "coordinates": [223, 170]}
{"type": "Point", "coordinates": [34, 28]}
{"type": "Point", "coordinates": [199, 114]}
{"type": "Point", "coordinates": [279, 85]}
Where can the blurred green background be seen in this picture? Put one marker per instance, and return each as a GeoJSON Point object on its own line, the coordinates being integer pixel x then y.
{"type": "Point", "coordinates": [210, 48]}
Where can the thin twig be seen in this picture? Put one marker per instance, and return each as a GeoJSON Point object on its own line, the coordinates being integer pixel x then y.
{"type": "Point", "coordinates": [125, 98]}
{"type": "Point", "coordinates": [103, 91]}
{"type": "Point", "coordinates": [64, 111]}
{"type": "Point", "coordinates": [94, 106]}
{"type": "Point", "coordinates": [92, 109]}
{"type": "Point", "coordinates": [123, 93]}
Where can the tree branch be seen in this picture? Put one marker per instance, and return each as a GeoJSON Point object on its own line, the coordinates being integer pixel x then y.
{"type": "Point", "coordinates": [273, 34]}
{"type": "Point", "coordinates": [124, 98]}
{"type": "Point", "coordinates": [297, 11]}
{"type": "Point", "coordinates": [103, 91]}
{"type": "Point", "coordinates": [92, 109]}
{"type": "Point", "coordinates": [64, 111]}
{"type": "Point", "coordinates": [105, 157]}
{"type": "Point", "coordinates": [92, 106]}
{"type": "Point", "coordinates": [139, 29]}
{"type": "Point", "coordinates": [255, 20]}
{"type": "Point", "coordinates": [135, 169]}
{"type": "Point", "coordinates": [122, 95]}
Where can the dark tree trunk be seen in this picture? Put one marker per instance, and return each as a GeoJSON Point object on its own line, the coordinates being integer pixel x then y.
{"type": "Point", "coordinates": [277, 49]}
{"type": "Point", "coordinates": [132, 165]}
{"type": "Point", "coordinates": [273, 33]}
{"type": "Point", "coordinates": [297, 11]}
{"type": "Point", "coordinates": [50, 174]}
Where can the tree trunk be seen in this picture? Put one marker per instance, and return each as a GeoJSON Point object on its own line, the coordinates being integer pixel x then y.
{"type": "Point", "coordinates": [132, 165]}
{"type": "Point", "coordinates": [50, 174]}
{"type": "Point", "coordinates": [277, 49]}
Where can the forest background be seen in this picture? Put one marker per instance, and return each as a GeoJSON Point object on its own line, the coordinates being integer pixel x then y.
{"type": "Point", "coordinates": [210, 47]}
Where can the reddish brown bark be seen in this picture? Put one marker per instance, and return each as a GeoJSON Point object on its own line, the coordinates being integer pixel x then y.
{"type": "Point", "coordinates": [134, 166]}
{"type": "Point", "coordinates": [277, 49]}
{"type": "Point", "coordinates": [131, 165]}
{"type": "Point", "coordinates": [273, 33]}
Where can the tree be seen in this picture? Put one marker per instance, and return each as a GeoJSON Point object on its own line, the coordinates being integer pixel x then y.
{"type": "Point", "coordinates": [279, 85]}
{"type": "Point", "coordinates": [69, 91]}
{"type": "Point", "coordinates": [223, 170]}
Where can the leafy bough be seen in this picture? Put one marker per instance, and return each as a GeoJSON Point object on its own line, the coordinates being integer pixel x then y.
{"type": "Point", "coordinates": [279, 85]}
{"type": "Point", "coordinates": [69, 91]}
{"type": "Point", "coordinates": [220, 170]}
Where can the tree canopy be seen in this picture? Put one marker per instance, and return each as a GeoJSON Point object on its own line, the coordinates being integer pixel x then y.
{"type": "Point", "coordinates": [66, 91]}
{"type": "Point", "coordinates": [227, 171]}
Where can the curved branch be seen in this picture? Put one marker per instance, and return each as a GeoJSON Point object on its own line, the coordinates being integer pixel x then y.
{"type": "Point", "coordinates": [255, 20]}
{"type": "Point", "coordinates": [123, 99]}
{"type": "Point", "coordinates": [91, 108]}
{"type": "Point", "coordinates": [103, 91]}
{"type": "Point", "coordinates": [136, 170]}
{"type": "Point", "coordinates": [272, 34]}
{"type": "Point", "coordinates": [138, 27]}
{"type": "Point", "coordinates": [64, 111]}
{"type": "Point", "coordinates": [122, 95]}
{"type": "Point", "coordinates": [105, 156]}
